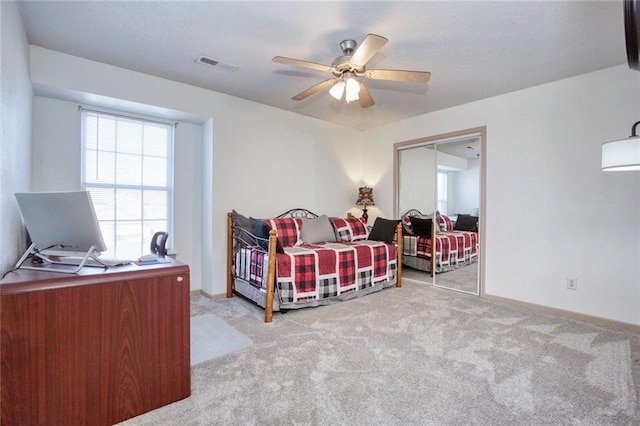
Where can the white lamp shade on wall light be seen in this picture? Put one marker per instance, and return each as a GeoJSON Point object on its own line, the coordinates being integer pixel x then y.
{"type": "Point", "coordinates": [622, 154]}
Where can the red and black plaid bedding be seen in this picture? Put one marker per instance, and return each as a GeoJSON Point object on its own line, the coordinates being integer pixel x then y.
{"type": "Point", "coordinates": [287, 229]}
{"type": "Point", "coordinates": [350, 229]}
{"type": "Point", "coordinates": [320, 271]}
{"type": "Point", "coordinates": [453, 248]}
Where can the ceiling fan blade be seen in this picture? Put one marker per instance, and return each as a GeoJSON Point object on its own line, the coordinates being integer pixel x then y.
{"type": "Point", "coordinates": [371, 44]}
{"type": "Point", "coordinates": [398, 75]}
{"type": "Point", "coordinates": [299, 63]}
{"type": "Point", "coordinates": [365, 98]}
{"type": "Point", "coordinates": [314, 89]}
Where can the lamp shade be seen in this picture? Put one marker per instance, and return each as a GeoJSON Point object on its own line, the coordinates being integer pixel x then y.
{"type": "Point", "coordinates": [622, 154]}
{"type": "Point", "coordinates": [337, 90]}
{"type": "Point", "coordinates": [353, 88]}
{"type": "Point", "coordinates": [365, 197]}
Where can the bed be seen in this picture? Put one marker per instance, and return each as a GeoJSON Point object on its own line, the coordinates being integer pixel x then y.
{"type": "Point", "coordinates": [454, 248]}
{"type": "Point", "coordinates": [287, 263]}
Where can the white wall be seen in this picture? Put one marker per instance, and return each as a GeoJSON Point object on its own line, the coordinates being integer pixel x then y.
{"type": "Point", "coordinates": [15, 141]}
{"type": "Point", "coordinates": [551, 213]}
{"type": "Point", "coordinates": [416, 178]}
{"type": "Point", "coordinates": [255, 159]}
{"type": "Point", "coordinates": [464, 194]}
{"type": "Point", "coordinates": [187, 198]}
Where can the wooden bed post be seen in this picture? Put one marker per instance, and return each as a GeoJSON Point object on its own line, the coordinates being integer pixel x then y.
{"type": "Point", "coordinates": [229, 254]}
{"type": "Point", "coordinates": [271, 276]}
{"type": "Point", "coordinates": [399, 255]}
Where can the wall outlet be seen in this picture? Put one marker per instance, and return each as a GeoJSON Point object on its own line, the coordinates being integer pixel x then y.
{"type": "Point", "coordinates": [572, 283]}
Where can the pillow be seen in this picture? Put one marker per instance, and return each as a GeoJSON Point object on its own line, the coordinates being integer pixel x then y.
{"type": "Point", "coordinates": [446, 225]}
{"type": "Point", "coordinates": [406, 221]}
{"type": "Point", "coordinates": [406, 225]}
{"type": "Point", "coordinates": [260, 229]}
{"type": "Point", "coordinates": [349, 229]}
{"type": "Point", "coordinates": [384, 230]}
{"type": "Point", "coordinates": [466, 222]}
{"type": "Point", "coordinates": [317, 230]}
{"type": "Point", "coordinates": [421, 226]}
{"type": "Point", "coordinates": [288, 229]}
{"type": "Point", "coordinates": [240, 221]}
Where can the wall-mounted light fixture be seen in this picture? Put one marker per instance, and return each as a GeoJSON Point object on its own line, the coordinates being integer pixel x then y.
{"type": "Point", "coordinates": [622, 154]}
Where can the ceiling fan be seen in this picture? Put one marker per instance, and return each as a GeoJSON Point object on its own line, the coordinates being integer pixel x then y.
{"type": "Point", "coordinates": [346, 70]}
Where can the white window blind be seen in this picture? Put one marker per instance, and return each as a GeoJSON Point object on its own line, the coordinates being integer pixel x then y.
{"type": "Point", "coordinates": [127, 166]}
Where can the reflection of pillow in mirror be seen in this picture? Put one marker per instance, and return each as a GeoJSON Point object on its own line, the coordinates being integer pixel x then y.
{"type": "Point", "coordinates": [466, 222]}
{"type": "Point", "coordinates": [421, 227]}
{"type": "Point", "coordinates": [446, 225]}
{"type": "Point", "coordinates": [406, 225]}
{"type": "Point", "coordinates": [431, 216]}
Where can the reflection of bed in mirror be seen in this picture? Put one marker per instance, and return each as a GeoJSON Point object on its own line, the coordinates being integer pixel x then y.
{"type": "Point", "coordinates": [456, 241]}
{"type": "Point", "coordinates": [443, 173]}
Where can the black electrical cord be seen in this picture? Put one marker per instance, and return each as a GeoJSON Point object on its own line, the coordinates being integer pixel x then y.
{"type": "Point", "coordinates": [30, 256]}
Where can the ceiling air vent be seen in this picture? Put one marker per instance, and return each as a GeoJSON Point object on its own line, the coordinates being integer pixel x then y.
{"type": "Point", "coordinates": [223, 66]}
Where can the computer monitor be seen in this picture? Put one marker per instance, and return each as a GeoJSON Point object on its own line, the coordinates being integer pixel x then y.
{"type": "Point", "coordinates": [61, 223]}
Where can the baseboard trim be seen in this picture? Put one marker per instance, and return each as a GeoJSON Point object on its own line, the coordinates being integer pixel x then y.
{"type": "Point", "coordinates": [569, 314]}
{"type": "Point", "coordinates": [563, 312]}
{"type": "Point", "coordinates": [207, 295]}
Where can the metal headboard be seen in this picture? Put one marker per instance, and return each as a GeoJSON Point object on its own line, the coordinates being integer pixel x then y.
{"type": "Point", "coordinates": [412, 212]}
{"type": "Point", "coordinates": [298, 213]}
{"type": "Point", "coordinates": [244, 238]}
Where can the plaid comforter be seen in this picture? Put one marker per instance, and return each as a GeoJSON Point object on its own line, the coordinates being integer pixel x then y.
{"type": "Point", "coordinates": [310, 272]}
{"type": "Point", "coordinates": [453, 248]}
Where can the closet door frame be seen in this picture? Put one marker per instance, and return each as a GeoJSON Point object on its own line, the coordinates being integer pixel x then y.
{"type": "Point", "coordinates": [481, 132]}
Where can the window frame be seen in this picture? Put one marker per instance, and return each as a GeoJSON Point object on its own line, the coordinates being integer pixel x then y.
{"type": "Point", "coordinates": [168, 188]}
{"type": "Point", "coordinates": [442, 198]}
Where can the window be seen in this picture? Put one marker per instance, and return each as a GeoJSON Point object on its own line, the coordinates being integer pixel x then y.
{"type": "Point", "coordinates": [442, 192]}
{"type": "Point", "coordinates": [127, 166]}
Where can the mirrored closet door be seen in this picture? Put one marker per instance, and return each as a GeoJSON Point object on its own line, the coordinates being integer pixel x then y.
{"type": "Point", "coordinates": [438, 181]}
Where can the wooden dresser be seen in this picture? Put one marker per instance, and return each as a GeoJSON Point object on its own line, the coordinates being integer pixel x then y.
{"type": "Point", "coordinates": [96, 347]}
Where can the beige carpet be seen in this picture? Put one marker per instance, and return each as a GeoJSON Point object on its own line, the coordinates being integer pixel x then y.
{"type": "Point", "coordinates": [211, 337]}
{"type": "Point", "coordinates": [416, 355]}
{"type": "Point", "coordinates": [463, 279]}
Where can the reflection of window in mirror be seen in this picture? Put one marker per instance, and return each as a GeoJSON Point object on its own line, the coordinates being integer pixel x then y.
{"type": "Point", "coordinates": [442, 193]}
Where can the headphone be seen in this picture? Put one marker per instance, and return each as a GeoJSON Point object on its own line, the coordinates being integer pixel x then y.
{"type": "Point", "coordinates": [159, 247]}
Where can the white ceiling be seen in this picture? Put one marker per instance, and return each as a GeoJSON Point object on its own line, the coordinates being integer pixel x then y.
{"type": "Point", "coordinates": [474, 50]}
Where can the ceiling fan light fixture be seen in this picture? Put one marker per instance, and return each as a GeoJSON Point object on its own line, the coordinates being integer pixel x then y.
{"type": "Point", "coordinates": [353, 88]}
{"type": "Point", "coordinates": [347, 70]}
{"type": "Point", "coordinates": [337, 90]}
